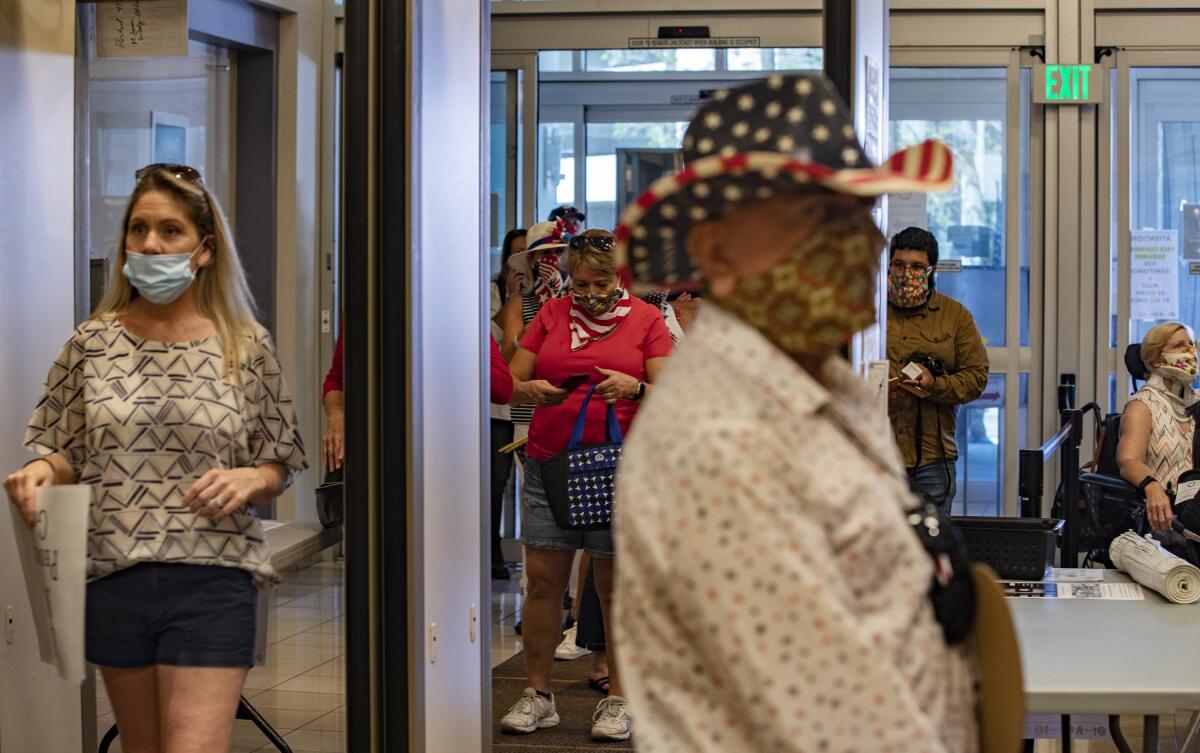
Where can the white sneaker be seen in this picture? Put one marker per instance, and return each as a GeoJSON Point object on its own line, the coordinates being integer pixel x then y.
{"type": "Point", "coordinates": [529, 714]}
{"type": "Point", "coordinates": [612, 720]}
{"type": "Point", "coordinates": [568, 650]}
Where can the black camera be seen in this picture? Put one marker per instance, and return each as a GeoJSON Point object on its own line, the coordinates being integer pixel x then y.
{"type": "Point", "coordinates": [936, 365]}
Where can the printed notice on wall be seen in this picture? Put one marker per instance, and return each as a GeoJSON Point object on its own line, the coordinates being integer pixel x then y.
{"type": "Point", "coordinates": [906, 210]}
{"type": "Point", "coordinates": [141, 28]}
{"type": "Point", "coordinates": [1154, 274]}
{"type": "Point", "coordinates": [53, 556]}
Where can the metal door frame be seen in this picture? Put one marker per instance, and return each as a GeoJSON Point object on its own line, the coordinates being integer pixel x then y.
{"type": "Point", "coordinates": [522, 112]}
{"type": "Point", "coordinates": [1012, 359]}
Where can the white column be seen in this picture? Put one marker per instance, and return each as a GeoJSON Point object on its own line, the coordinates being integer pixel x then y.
{"type": "Point", "coordinates": [449, 266]}
{"type": "Point", "coordinates": [38, 711]}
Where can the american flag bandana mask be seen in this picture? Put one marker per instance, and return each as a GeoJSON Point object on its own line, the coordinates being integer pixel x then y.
{"type": "Point", "coordinates": [587, 326]}
{"type": "Point", "coordinates": [549, 283]}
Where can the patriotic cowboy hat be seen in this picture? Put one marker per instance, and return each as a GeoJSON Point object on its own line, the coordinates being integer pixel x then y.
{"type": "Point", "coordinates": [777, 136]}
{"type": "Point", "coordinates": [543, 236]}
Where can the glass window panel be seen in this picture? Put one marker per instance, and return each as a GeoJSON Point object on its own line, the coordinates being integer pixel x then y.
{"type": "Point", "coordinates": [980, 436]}
{"type": "Point", "coordinates": [556, 61]}
{"type": "Point", "coordinates": [556, 166]}
{"type": "Point", "coordinates": [1165, 176]}
{"type": "Point", "coordinates": [643, 61]}
{"type": "Point", "coordinates": [775, 58]}
{"type": "Point", "coordinates": [965, 108]}
{"type": "Point", "coordinates": [603, 140]}
{"type": "Point", "coordinates": [498, 189]}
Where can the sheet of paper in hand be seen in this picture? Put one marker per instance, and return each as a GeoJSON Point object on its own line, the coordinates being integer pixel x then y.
{"type": "Point", "coordinates": [53, 558]}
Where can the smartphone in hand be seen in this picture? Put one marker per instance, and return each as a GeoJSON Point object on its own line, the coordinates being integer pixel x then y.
{"type": "Point", "coordinates": [573, 382]}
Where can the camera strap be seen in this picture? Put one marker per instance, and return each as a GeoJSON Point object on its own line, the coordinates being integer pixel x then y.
{"type": "Point", "coordinates": [920, 441]}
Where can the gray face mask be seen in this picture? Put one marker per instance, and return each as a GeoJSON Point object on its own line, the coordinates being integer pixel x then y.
{"type": "Point", "coordinates": [160, 278]}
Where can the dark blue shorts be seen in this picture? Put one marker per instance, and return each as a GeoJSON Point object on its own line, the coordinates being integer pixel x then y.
{"type": "Point", "coordinates": [183, 615]}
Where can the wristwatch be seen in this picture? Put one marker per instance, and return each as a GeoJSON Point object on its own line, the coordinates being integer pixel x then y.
{"type": "Point", "coordinates": [640, 392]}
{"type": "Point", "coordinates": [1146, 482]}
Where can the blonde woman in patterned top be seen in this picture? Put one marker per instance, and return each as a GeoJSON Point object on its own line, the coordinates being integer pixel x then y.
{"type": "Point", "coordinates": [1156, 427]}
{"type": "Point", "coordinates": [169, 402]}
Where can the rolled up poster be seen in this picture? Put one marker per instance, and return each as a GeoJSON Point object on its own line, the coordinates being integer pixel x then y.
{"type": "Point", "coordinates": [1155, 568]}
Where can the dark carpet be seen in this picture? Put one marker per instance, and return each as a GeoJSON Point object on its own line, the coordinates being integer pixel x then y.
{"type": "Point", "coordinates": [576, 703]}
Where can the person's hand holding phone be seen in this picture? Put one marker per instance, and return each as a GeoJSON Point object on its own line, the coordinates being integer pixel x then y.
{"type": "Point", "coordinates": [541, 393]}
{"type": "Point", "coordinates": [573, 382]}
{"type": "Point", "coordinates": [515, 284]}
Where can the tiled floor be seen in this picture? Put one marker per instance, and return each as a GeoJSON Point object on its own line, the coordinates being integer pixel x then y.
{"type": "Point", "coordinates": [506, 612]}
{"type": "Point", "coordinates": [301, 689]}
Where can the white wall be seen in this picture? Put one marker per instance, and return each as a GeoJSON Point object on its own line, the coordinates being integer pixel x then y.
{"type": "Point", "coordinates": [447, 350]}
{"type": "Point", "coordinates": [38, 712]}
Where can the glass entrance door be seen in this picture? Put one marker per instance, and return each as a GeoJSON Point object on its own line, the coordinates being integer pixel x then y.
{"type": "Point", "coordinates": [984, 229]}
{"type": "Point", "coordinates": [512, 154]}
{"type": "Point", "coordinates": [1153, 131]}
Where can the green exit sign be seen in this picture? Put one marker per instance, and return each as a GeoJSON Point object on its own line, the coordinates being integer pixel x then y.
{"type": "Point", "coordinates": [1068, 84]}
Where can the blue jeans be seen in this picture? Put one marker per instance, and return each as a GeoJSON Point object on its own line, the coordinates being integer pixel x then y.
{"type": "Point", "coordinates": [934, 483]}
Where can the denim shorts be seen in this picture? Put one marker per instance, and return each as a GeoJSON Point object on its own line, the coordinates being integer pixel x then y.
{"type": "Point", "coordinates": [538, 529]}
{"type": "Point", "coordinates": [177, 614]}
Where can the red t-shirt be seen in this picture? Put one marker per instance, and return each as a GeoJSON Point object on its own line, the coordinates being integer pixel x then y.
{"type": "Point", "coordinates": [640, 336]}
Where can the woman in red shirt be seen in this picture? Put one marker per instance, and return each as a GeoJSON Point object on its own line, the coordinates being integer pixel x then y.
{"type": "Point", "coordinates": [620, 343]}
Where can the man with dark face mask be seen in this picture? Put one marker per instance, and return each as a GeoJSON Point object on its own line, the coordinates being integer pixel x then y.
{"type": "Point", "coordinates": [937, 362]}
{"type": "Point", "coordinates": [772, 595]}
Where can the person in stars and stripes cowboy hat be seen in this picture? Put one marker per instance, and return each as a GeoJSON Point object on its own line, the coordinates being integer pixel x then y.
{"type": "Point", "coordinates": [772, 595]}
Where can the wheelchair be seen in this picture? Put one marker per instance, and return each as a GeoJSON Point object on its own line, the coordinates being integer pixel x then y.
{"type": "Point", "coordinates": [1109, 505]}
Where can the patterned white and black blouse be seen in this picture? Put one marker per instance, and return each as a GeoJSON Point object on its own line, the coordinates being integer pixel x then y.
{"type": "Point", "coordinates": [771, 595]}
{"type": "Point", "coordinates": [140, 421]}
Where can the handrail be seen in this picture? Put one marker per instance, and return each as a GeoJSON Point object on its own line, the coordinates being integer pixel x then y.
{"type": "Point", "coordinates": [1053, 443]}
{"type": "Point", "coordinates": [1065, 443]}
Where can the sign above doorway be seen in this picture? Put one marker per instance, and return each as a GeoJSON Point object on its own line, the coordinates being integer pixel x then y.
{"type": "Point", "coordinates": [653, 43]}
{"type": "Point", "coordinates": [1068, 84]}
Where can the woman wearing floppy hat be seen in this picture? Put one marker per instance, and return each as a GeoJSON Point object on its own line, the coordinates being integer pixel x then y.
{"type": "Point", "coordinates": [772, 594]}
{"type": "Point", "coordinates": [602, 336]}
{"type": "Point", "coordinates": [539, 270]}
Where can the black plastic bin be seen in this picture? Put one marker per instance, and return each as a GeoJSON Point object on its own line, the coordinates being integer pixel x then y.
{"type": "Point", "coordinates": [1016, 548]}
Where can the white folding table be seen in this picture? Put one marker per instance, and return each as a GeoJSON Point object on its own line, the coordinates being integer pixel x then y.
{"type": "Point", "coordinates": [1084, 656]}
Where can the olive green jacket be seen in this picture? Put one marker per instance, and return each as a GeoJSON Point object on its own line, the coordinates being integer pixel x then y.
{"type": "Point", "coordinates": [944, 328]}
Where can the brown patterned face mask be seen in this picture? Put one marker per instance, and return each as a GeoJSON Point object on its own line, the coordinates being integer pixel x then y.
{"type": "Point", "coordinates": [817, 298]}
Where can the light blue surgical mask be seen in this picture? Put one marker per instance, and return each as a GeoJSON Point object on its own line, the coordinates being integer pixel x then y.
{"type": "Point", "coordinates": [160, 278]}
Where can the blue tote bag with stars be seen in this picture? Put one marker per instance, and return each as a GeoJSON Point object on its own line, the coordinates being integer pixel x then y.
{"type": "Point", "coordinates": [579, 480]}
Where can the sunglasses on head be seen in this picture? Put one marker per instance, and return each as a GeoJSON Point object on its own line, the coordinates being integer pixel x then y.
{"type": "Point", "coordinates": [600, 242]}
{"type": "Point", "coordinates": [183, 172]}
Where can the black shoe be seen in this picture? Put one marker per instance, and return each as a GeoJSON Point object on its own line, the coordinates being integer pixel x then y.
{"type": "Point", "coordinates": [517, 628]}
{"type": "Point", "coordinates": [500, 572]}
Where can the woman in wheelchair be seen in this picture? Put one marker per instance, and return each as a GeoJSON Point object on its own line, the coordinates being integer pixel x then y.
{"type": "Point", "coordinates": [1157, 426]}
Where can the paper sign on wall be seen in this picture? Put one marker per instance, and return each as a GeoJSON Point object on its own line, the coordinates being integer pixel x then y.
{"type": "Point", "coordinates": [1154, 274]}
{"type": "Point", "coordinates": [141, 28]}
{"type": "Point", "coordinates": [906, 210]}
{"type": "Point", "coordinates": [53, 557]}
